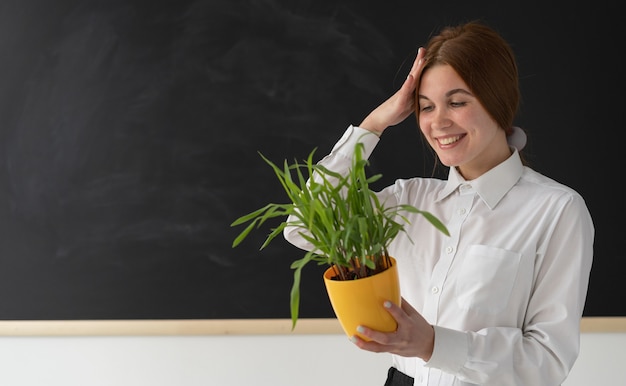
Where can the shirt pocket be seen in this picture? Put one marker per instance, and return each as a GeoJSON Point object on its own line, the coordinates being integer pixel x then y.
{"type": "Point", "coordinates": [486, 278]}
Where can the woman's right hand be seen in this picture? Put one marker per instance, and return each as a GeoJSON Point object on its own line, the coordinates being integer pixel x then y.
{"type": "Point", "coordinates": [400, 105]}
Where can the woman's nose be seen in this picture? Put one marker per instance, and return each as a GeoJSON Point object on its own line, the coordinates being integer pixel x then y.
{"type": "Point", "coordinates": [440, 120]}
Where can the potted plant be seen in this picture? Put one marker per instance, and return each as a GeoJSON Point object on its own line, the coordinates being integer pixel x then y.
{"type": "Point", "coordinates": [349, 228]}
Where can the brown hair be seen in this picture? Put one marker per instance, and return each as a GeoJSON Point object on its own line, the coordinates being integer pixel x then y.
{"type": "Point", "coordinates": [485, 61]}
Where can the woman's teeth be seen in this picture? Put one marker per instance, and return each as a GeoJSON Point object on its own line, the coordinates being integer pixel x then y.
{"type": "Point", "coordinates": [449, 140]}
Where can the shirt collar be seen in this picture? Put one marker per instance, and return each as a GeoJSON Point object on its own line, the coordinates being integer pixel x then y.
{"type": "Point", "coordinates": [491, 186]}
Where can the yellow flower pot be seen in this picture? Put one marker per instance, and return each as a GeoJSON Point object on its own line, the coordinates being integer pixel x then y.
{"type": "Point", "coordinates": [360, 302]}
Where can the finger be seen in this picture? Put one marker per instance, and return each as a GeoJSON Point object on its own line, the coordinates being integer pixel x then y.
{"type": "Point", "coordinates": [418, 62]}
{"type": "Point", "coordinates": [395, 310]}
{"type": "Point", "coordinates": [372, 340]}
{"type": "Point", "coordinates": [410, 83]}
{"type": "Point", "coordinates": [408, 88]}
{"type": "Point", "coordinates": [408, 308]}
{"type": "Point", "coordinates": [370, 345]}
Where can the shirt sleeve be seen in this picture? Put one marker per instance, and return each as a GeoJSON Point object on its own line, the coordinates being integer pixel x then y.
{"type": "Point", "coordinates": [544, 349]}
{"type": "Point", "coordinates": [339, 160]}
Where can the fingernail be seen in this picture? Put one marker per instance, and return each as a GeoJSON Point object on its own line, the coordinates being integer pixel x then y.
{"type": "Point", "coordinates": [387, 304]}
{"type": "Point", "coordinates": [353, 339]}
{"type": "Point", "coordinates": [360, 329]}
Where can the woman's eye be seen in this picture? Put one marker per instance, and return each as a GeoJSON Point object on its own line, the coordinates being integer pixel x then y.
{"type": "Point", "coordinates": [457, 104]}
{"type": "Point", "coordinates": [426, 108]}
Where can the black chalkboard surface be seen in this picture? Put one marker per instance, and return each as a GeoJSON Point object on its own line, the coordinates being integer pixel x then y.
{"type": "Point", "coordinates": [129, 133]}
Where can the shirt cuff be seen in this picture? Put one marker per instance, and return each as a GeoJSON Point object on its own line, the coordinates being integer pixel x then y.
{"type": "Point", "coordinates": [353, 135]}
{"type": "Point", "coordinates": [450, 351]}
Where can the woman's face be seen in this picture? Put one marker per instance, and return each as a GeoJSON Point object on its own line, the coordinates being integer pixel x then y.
{"type": "Point", "coordinates": [456, 124]}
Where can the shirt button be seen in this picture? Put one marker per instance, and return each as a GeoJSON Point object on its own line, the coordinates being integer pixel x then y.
{"type": "Point", "coordinates": [462, 211]}
{"type": "Point", "coordinates": [449, 250]}
{"type": "Point", "coordinates": [434, 290]}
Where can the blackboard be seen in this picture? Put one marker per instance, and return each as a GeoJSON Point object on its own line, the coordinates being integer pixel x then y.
{"type": "Point", "coordinates": [129, 133]}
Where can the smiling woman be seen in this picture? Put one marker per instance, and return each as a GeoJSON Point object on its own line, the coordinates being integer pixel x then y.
{"type": "Point", "coordinates": [506, 287]}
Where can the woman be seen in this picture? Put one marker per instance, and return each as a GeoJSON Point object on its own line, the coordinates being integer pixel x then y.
{"type": "Point", "coordinates": [499, 302]}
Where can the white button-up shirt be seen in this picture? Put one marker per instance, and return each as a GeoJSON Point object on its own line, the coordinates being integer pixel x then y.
{"type": "Point", "coordinates": [506, 290]}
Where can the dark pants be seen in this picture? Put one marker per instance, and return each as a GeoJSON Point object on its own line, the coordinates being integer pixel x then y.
{"type": "Point", "coordinates": [398, 378]}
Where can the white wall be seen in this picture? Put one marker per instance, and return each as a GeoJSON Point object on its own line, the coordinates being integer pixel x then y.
{"type": "Point", "coordinates": [255, 360]}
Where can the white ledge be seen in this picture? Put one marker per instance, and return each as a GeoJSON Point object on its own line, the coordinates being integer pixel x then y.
{"type": "Point", "coordinates": [216, 327]}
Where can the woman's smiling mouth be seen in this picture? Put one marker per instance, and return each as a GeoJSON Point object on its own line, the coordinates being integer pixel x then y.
{"type": "Point", "coordinates": [449, 140]}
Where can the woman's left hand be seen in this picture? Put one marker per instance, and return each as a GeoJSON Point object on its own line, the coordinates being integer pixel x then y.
{"type": "Point", "coordinates": [414, 336]}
